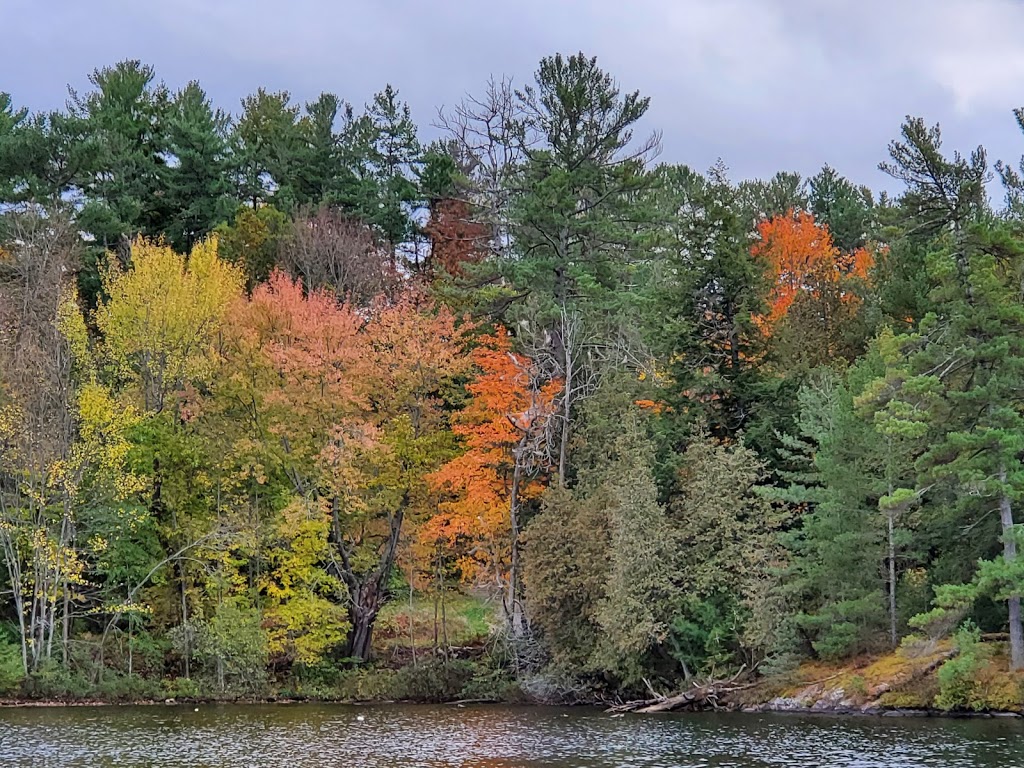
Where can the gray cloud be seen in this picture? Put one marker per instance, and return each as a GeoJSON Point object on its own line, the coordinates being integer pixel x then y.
{"type": "Point", "coordinates": [764, 84]}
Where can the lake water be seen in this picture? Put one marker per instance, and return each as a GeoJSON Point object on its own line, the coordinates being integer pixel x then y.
{"type": "Point", "coordinates": [321, 735]}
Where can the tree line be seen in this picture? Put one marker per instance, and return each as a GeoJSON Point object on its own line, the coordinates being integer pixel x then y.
{"type": "Point", "coordinates": [262, 372]}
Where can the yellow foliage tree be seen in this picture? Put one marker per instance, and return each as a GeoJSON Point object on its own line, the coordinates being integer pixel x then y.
{"type": "Point", "coordinates": [161, 316]}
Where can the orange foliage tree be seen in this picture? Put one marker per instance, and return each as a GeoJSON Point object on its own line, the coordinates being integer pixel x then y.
{"type": "Point", "coordinates": [811, 281]}
{"type": "Point", "coordinates": [504, 430]}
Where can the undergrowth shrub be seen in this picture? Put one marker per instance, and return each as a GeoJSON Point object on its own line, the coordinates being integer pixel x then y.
{"type": "Point", "coordinates": [958, 686]}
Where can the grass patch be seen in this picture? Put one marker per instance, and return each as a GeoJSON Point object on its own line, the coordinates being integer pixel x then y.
{"type": "Point", "coordinates": [403, 624]}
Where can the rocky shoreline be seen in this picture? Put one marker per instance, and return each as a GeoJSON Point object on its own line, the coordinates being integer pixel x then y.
{"type": "Point", "coordinates": [845, 706]}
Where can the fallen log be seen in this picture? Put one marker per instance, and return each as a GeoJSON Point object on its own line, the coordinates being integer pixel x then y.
{"type": "Point", "coordinates": [700, 696]}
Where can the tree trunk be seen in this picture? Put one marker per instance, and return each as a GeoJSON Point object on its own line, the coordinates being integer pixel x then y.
{"type": "Point", "coordinates": [893, 635]}
{"type": "Point", "coordinates": [367, 593]}
{"type": "Point", "coordinates": [186, 634]}
{"type": "Point", "coordinates": [412, 623]}
{"type": "Point", "coordinates": [514, 604]}
{"type": "Point", "coordinates": [563, 448]}
{"type": "Point", "coordinates": [1010, 555]}
{"type": "Point", "coordinates": [65, 629]}
{"type": "Point", "coordinates": [362, 618]}
{"type": "Point", "coordinates": [444, 620]}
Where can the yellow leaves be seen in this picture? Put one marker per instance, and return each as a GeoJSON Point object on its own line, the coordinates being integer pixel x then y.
{"type": "Point", "coordinates": [655, 406]}
{"type": "Point", "coordinates": [304, 628]}
{"type": "Point", "coordinates": [160, 318]}
{"type": "Point", "coordinates": [10, 418]}
{"type": "Point", "coordinates": [139, 609]}
{"type": "Point", "coordinates": [71, 324]}
{"type": "Point", "coordinates": [303, 618]}
{"type": "Point", "coordinates": [103, 443]}
{"type": "Point", "coordinates": [52, 562]}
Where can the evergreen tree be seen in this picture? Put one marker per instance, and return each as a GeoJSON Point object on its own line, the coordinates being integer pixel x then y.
{"type": "Point", "coordinates": [634, 612]}
{"type": "Point", "coordinates": [123, 186]}
{"type": "Point", "coordinates": [833, 581]}
{"type": "Point", "coordinates": [783, 192]}
{"type": "Point", "coordinates": [707, 291]}
{"type": "Point", "coordinates": [967, 356]}
{"type": "Point", "coordinates": [845, 209]}
{"type": "Point", "coordinates": [197, 187]}
{"type": "Point", "coordinates": [384, 153]}
{"type": "Point", "coordinates": [725, 534]}
{"type": "Point", "coordinates": [12, 123]}
{"type": "Point", "coordinates": [264, 145]}
{"type": "Point", "coordinates": [322, 174]}
{"type": "Point", "coordinates": [578, 217]}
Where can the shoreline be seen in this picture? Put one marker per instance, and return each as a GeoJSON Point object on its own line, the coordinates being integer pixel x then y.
{"type": "Point", "coordinates": [766, 708]}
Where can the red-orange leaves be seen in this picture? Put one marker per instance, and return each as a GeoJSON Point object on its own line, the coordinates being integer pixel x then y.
{"type": "Point", "coordinates": [311, 340]}
{"type": "Point", "coordinates": [503, 424]}
{"type": "Point", "coordinates": [413, 352]}
{"type": "Point", "coordinates": [801, 258]}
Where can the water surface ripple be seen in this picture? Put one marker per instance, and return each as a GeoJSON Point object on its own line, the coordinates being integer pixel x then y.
{"type": "Point", "coordinates": [321, 735]}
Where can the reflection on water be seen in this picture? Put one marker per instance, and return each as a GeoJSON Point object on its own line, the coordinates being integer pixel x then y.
{"type": "Point", "coordinates": [312, 736]}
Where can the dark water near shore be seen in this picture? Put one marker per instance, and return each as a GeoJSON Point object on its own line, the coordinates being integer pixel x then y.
{"type": "Point", "coordinates": [315, 735]}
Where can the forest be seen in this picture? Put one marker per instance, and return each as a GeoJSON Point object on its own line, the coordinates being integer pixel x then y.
{"type": "Point", "coordinates": [269, 375]}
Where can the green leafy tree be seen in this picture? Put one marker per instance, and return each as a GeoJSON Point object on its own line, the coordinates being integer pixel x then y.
{"type": "Point", "coordinates": [252, 241]}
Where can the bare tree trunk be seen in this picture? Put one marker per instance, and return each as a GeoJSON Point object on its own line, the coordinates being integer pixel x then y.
{"type": "Point", "coordinates": [1010, 555]}
{"type": "Point", "coordinates": [437, 595]}
{"type": "Point", "coordinates": [412, 632]}
{"type": "Point", "coordinates": [569, 371]}
{"type": "Point", "coordinates": [444, 620]}
{"type": "Point", "coordinates": [184, 623]}
{"type": "Point", "coordinates": [514, 604]}
{"type": "Point", "coordinates": [65, 629]}
{"type": "Point", "coordinates": [893, 635]}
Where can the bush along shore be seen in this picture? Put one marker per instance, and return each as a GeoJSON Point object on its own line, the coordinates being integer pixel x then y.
{"type": "Point", "coordinates": [962, 677]}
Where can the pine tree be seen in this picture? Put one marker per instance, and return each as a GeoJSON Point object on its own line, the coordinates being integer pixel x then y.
{"type": "Point", "coordinates": [833, 580]}
{"type": "Point", "coordinates": [197, 187]}
{"type": "Point", "coordinates": [578, 213]}
{"type": "Point", "coordinates": [967, 357]}
{"type": "Point", "coordinates": [126, 113]}
{"type": "Point", "coordinates": [708, 291]}
{"type": "Point", "coordinates": [844, 208]}
{"type": "Point", "coordinates": [264, 145]}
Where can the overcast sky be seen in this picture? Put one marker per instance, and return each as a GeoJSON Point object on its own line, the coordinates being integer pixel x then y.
{"type": "Point", "coordinates": [765, 84]}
